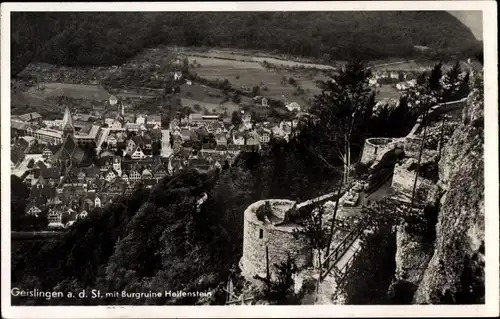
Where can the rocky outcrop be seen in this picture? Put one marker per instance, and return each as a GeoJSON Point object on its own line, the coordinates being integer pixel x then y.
{"type": "Point", "coordinates": [455, 274]}
{"type": "Point", "coordinates": [452, 270]}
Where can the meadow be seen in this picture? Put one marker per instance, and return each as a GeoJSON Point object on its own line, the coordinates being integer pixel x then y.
{"type": "Point", "coordinates": [245, 75]}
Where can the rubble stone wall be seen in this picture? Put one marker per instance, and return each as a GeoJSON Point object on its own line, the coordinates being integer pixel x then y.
{"type": "Point", "coordinates": [403, 181]}
{"type": "Point", "coordinates": [279, 239]}
{"type": "Point", "coordinates": [373, 147]}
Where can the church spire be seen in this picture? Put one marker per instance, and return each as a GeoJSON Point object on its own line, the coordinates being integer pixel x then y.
{"type": "Point", "coordinates": [67, 123]}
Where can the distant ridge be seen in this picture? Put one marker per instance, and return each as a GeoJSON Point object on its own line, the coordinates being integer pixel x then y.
{"type": "Point", "coordinates": [108, 38]}
{"type": "Point", "coordinates": [471, 19]}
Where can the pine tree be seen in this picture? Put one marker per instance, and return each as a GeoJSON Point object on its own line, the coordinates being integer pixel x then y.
{"type": "Point", "coordinates": [422, 79]}
{"type": "Point", "coordinates": [464, 87]}
{"type": "Point", "coordinates": [382, 121]}
{"type": "Point", "coordinates": [399, 119]}
{"type": "Point", "coordinates": [452, 83]}
{"type": "Point", "coordinates": [340, 108]}
{"type": "Point", "coordinates": [434, 87]}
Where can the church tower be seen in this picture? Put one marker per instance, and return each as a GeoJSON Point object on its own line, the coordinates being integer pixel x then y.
{"type": "Point", "coordinates": [67, 124]}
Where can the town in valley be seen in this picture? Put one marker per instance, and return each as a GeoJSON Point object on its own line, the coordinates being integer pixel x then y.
{"type": "Point", "coordinates": [227, 164]}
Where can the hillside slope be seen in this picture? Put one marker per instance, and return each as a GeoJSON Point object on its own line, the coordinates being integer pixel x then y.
{"type": "Point", "coordinates": [110, 38]}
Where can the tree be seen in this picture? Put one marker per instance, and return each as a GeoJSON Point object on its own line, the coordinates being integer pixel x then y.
{"type": "Point", "coordinates": [340, 108]}
{"type": "Point", "coordinates": [281, 291]}
{"type": "Point", "coordinates": [311, 227]}
{"type": "Point", "coordinates": [236, 118]}
{"type": "Point", "coordinates": [372, 270]}
{"type": "Point", "coordinates": [452, 83]}
{"type": "Point", "coordinates": [400, 119]}
{"type": "Point", "coordinates": [185, 66]}
{"type": "Point", "coordinates": [120, 146]}
{"type": "Point", "coordinates": [464, 87]}
{"type": "Point", "coordinates": [255, 90]}
{"type": "Point", "coordinates": [236, 98]}
{"type": "Point", "coordinates": [156, 148]}
{"type": "Point", "coordinates": [434, 86]}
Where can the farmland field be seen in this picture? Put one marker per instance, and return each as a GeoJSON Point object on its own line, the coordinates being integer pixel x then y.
{"type": "Point", "coordinates": [249, 74]}
{"type": "Point", "coordinates": [228, 107]}
{"type": "Point", "coordinates": [75, 91]}
{"type": "Point", "coordinates": [238, 55]}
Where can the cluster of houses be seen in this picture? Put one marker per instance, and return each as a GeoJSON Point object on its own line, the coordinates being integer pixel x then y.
{"type": "Point", "coordinates": [401, 79]}
{"type": "Point", "coordinates": [72, 192]}
{"type": "Point", "coordinates": [207, 142]}
{"type": "Point", "coordinates": [67, 178]}
{"type": "Point", "coordinates": [84, 160]}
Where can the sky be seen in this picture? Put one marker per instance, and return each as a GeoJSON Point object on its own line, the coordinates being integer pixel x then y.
{"type": "Point", "coordinates": [472, 19]}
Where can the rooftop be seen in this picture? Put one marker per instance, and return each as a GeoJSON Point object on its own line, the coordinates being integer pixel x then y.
{"type": "Point", "coordinates": [49, 132]}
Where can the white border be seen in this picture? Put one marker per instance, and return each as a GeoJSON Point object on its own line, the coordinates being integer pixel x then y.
{"type": "Point", "coordinates": [491, 308]}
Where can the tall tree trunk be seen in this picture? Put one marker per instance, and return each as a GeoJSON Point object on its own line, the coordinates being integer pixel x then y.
{"type": "Point", "coordinates": [348, 158]}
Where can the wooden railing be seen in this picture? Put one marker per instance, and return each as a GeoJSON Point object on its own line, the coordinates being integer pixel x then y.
{"type": "Point", "coordinates": [339, 251]}
{"type": "Point", "coordinates": [347, 267]}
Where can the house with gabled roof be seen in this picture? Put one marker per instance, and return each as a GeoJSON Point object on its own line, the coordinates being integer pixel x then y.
{"type": "Point", "coordinates": [33, 210]}
{"type": "Point", "coordinates": [238, 138]}
{"type": "Point", "coordinates": [125, 178]}
{"type": "Point", "coordinates": [221, 139]}
{"type": "Point", "coordinates": [252, 138]}
{"type": "Point", "coordinates": [146, 174]}
{"type": "Point", "coordinates": [134, 175]}
{"type": "Point", "coordinates": [138, 154]}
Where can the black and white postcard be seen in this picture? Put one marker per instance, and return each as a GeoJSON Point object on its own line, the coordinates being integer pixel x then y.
{"type": "Point", "coordinates": [249, 159]}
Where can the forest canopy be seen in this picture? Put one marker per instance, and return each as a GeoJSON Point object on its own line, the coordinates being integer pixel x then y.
{"type": "Point", "coordinates": [80, 39]}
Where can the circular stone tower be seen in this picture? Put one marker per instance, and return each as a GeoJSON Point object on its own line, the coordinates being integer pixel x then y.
{"type": "Point", "coordinates": [267, 224]}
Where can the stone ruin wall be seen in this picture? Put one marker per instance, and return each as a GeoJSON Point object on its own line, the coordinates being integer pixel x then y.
{"type": "Point", "coordinates": [279, 240]}
{"type": "Point", "coordinates": [374, 147]}
{"type": "Point", "coordinates": [403, 181]}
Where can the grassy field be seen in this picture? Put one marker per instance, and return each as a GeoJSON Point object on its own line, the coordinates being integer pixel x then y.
{"type": "Point", "coordinates": [241, 55]}
{"type": "Point", "coordinates": [249, 74]}
{"type": "Point", "coordinates": [76, 91]}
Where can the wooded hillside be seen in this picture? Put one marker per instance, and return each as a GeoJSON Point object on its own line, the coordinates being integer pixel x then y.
{"type": "Point", "coordinates": [110, 38]}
